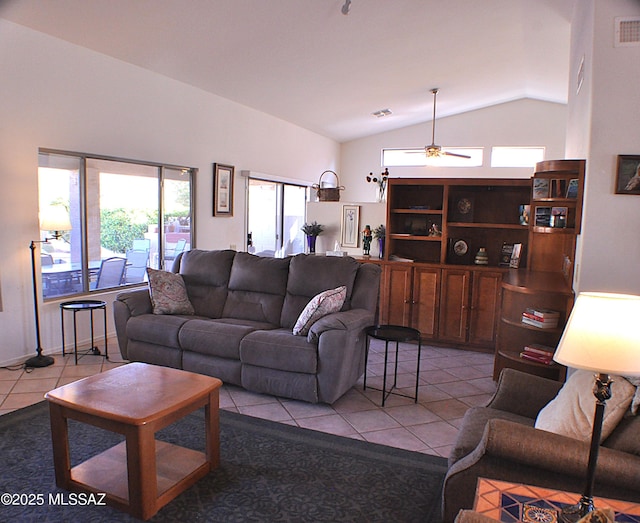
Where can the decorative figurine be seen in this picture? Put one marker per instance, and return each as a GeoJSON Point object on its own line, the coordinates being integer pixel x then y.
{"type": "Point", "coordinates": [367, 236]}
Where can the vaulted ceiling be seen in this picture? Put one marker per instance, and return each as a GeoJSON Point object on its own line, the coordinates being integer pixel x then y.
{"type": "Point", "coordinates": [308, 63]}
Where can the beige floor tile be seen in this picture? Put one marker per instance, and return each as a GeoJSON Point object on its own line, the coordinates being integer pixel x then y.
{"type": "Point", "coordinates": [399, 437]}
{"type": "Point", "coordinates": [272, 411]}
{"type": "Point", "coordinates": [42, 385]}
{"type": "Point", "coordinates": [448, 409]}
{"type": "Point", "coordinates": [332, 424]}
{"type": "Point", "coordinates": [435, 434]}
{"type": "Point", "coordinates": [53, 371]}
{"type": "Point", "coordinates": [17, 401]}
{"type": "Point", "coordinates": [9, 375]}
{"type": "Point", "coordinates": [81, 371]}
{"type": "Point", "coordinates": [7, 386]}
{"type": "Point", "coordinates": [370, 420]}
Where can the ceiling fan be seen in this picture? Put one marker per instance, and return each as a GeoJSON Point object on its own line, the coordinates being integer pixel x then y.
{"type": "Point", "coordinates": [433, 150]}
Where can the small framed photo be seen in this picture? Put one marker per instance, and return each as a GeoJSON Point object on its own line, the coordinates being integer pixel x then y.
{"type": "Point", "coordinates": [350, 229]}
{"type": "Point", "coordinates": [222, 189]}
{"type": "Point", "coordinates": [540, 188]}
{"type": "Point", "coordinates": [628, 175]}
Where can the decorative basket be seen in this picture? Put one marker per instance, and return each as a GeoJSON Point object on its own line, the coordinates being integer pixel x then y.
{"type": "Point", "coordinates": [328, 194]}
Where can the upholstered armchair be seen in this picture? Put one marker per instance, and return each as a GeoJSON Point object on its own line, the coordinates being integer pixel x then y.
{"type": "Point", "coordinates": [499, 441]}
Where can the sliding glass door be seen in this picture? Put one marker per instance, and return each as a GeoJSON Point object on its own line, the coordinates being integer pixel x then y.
{"type": "Point", "coordinates": [276, 212]}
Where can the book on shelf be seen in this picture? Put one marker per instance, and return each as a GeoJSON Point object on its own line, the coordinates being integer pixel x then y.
{"type": "Point", "coordinates": [550, 324]}
{"type": "Point", "coordinates": [535, 357]}
{"type": "Point", "coordinates": [538, 318]}
{"type": "Point", "coordinates": [395, 257]}
{"type": "Point", "coordinates": [516, 253]}
{"type": "Point", "coordinates": [539, 349]}
{"type": "Point", "coordinates": [505, 254]}
{"type": "Point", "coordinates": [542, 313]}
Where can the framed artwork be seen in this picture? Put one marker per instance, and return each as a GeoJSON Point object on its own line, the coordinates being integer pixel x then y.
{"type": "Point", "coordinates": [222, 190]}
{"type": "Point", "coordinates": [350, 230]}
{"type": "Point", "coordinates": [628, 175]}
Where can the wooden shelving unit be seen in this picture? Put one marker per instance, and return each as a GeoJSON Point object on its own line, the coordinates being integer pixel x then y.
{"type": "Point", "coordinates": [430, 282]}
{"type": "Point", "coordinates": [551, 258]}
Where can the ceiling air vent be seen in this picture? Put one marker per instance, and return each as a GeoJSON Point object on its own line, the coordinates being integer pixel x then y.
{"type": "Point", "coordinates": [627, 32]}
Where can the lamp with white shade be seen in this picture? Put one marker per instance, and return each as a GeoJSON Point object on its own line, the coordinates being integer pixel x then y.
{"type": "Point", "coordinates": [54, 219]}
{"type": "Point", "coordinates": [602, 335]}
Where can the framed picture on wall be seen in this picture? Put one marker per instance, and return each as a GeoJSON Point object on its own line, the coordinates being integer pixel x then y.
{"type": "Point", "coordinates": [350, 228]}
{"type": "Point", "coordinates": [628, 174]}
{"type": "Point", "coordinates": [222, 189]}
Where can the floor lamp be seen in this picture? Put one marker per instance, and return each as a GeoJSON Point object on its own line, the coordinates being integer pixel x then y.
{"type": "Point", "coordinates": [602, 335]}
{"type": "Point", "coordinates": [55, 219]}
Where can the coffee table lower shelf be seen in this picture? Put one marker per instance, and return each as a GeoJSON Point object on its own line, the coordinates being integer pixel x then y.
{"type": "Point", "coordinates": [177, 468]}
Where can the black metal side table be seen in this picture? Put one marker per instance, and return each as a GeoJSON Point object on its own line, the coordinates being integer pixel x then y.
{"type": "Point", "coordinates": [397, 334]}
{"type": "Point", "coordinates": [77, 306]}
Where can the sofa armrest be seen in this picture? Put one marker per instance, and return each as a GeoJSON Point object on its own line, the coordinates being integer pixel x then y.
{"type": "Point", "coordinates": [126, 305]}
{"type": "Point", "coordinates": [522, 393]}
{"type": "Point", "coordinates": [559, 454]}
{"type": "Point", "coordinates": [517, 453]}
{"type": "Point", "coordinates": [351, 320]}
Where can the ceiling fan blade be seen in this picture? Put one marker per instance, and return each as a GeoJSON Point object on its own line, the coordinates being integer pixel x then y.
{"type": "Point", "coordinates": [455, 154]}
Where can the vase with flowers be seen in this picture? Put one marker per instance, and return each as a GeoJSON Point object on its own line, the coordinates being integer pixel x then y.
{"type": "Point", "coordinates": [312, 230]}
{"type": "Point", "coordinates": [381, 182]}
{"type": "Point", "coordinates": [380, 233]}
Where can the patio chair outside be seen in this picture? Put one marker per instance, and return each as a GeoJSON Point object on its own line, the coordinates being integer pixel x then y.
{"type": "Point", "coordinates": [111, 273]}
{"type": "Point", "coordinates": [136, 267]}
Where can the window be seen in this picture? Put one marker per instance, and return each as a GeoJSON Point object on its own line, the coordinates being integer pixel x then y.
{"type": "Point", "coordinates": [416, 157]}
{"type": "Point", "coordinates": [516, 156]}
{"type": "Point", "coordinates": [125, 216]}
{"type": "Point", "coordinates": [276, 212]}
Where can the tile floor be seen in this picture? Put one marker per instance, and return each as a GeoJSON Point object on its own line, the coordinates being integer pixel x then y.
{"type": "Point", "coordinates": [450, 382]}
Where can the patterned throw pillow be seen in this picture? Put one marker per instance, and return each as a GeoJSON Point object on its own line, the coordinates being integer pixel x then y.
{"type": "Point", "coordinates": [168, 293]}
{"type": "Point", "coordinates": [320, 305]}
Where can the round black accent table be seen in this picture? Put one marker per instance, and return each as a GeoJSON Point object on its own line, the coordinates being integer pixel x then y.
{"type": "Point", "coordinates": [397, 334]}
{"type": "Point", "coordinates": [77, 306]}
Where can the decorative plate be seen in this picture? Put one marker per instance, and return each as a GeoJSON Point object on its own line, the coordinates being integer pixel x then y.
{"type": "Point", "coordinates": [464, 205]}
{"type": "Point", "coordinates": [460, 247]}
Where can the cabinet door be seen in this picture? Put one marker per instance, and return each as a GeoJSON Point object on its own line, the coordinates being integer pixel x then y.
{"type": "Point", "coordinates": [454, 305]}
{"type": "Point", "coordinates": [426, 300]}
{"type": "Point", "coordinates": [485, 303]}
{"type": "Point", "coordinates": [395, 306]}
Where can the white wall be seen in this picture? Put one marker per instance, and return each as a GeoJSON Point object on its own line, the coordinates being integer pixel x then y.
{"type": "Point", "coordinates": [523, 122]}
{"type": "Point", "coordinates": [57, 95]}
{"type": "Point", "coordinates": [604, 122]}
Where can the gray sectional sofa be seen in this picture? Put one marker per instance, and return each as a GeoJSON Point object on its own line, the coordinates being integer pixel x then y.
{"type": "Point", "coordinates": [245, 309]}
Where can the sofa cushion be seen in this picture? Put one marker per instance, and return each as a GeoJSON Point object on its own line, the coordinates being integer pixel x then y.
{"type": "Point", "coordinates": [257, 287]}
{"type": "Point", "coordinates": [571, 412]}
{"type": "Point", "coordinates": [472, 428]}
{"type": "Point", "coordinates": [206, 276]}
{"type": "Point", "coordinates": [279, 349]}
{"type": "Point", "coordinates": [168, 293]}
{"type": "Point", "coordinates": [320, 305]}
{"type": "Point", "coordinates": [215, 337]}
{"type": "Point", "coordinates": [159, 330]}
{"type": "Point", "coordinates": [310, 275]}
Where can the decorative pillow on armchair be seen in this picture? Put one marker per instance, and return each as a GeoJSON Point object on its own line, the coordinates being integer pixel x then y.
{"type": "Point", "coordinates": [168, 293]}
{"type": "Point", "coordinates": [571, 412]}
{"type": "Point", "coordinates": [320, 305]}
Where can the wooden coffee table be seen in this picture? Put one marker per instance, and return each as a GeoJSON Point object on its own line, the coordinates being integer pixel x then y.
{"type": "Point", "coordinates": [139, 475]}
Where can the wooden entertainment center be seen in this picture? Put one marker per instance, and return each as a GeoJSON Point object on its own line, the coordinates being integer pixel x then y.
{"type": "Point", "coordinates": [436, 280]}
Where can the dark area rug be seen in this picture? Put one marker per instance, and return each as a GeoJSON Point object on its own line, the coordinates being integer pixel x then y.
{"type": "Point", "coordinates": [269, 472]}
